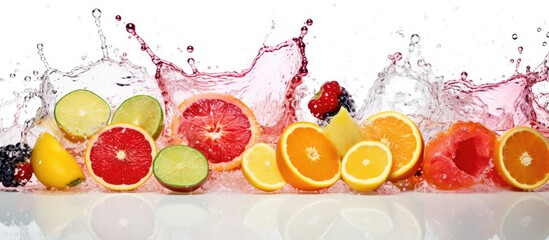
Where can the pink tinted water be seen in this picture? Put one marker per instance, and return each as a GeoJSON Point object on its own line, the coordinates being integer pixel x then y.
{"type": "Point", "coordinates": [272, 87]}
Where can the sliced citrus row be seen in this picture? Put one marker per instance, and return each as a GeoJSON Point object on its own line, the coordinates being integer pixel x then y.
{"type": "Point", "coordinates": [260, 168]}
{"type": "Point", "coordinates": [307, 159]}
{"type": "Point", "coordinates": [403, 138]}
{"type": "Point", "coordinates": [180, 168]}
{"type": "Point", "coordinates": [521, 157]}
{"type": "Point", "coordinates": [80, 114]}
{"type": "Point", "coordinates": [53, 165]}
{"type": "Point", "coordinates": [219, 125]}
{"type": "Point", "coordinates": [343, 131]}
{"type": "Point", "coordinates": [120, 156]}
{"type": "Point", "coordinates": [143, 111]}
{"type": "Point", "coordinates": [366, 165]}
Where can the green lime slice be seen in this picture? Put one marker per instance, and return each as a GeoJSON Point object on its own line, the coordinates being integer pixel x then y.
{"type": "Point", "coordinates": [81, 113]}
{"type": "Point", "coordinates": [143, 111]}
{"type": "Point", "coordinates": [180, 168]}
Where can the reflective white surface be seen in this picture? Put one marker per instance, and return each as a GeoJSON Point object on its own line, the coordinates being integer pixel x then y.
{"type": "Point", "coordinates": [410, 215]}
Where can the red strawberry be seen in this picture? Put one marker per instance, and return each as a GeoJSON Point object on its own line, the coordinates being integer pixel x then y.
{"type": "Point", "coordinates": [23, 172]}
{"type": "Point", "coordinates": [325, 100]}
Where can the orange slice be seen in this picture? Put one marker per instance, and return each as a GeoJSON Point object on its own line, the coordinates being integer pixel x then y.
{"type": "Point", "coordinates": [120, 156]}
{"type": "Point", "coordinates": [403, 138]}
{"type": "Point", "coordinates": [366, 165]}
{"type": "Point", "coordinates": [218, 125]}
{"type": "Point", "coordinates": [306, 158]}
{"type": "Point", "coordinates": [521, 157]}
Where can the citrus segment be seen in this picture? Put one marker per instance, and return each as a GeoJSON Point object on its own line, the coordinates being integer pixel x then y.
{"type": "Point", "coordinates": [260, 168]}
{"type": "Point", "coordinates": [120, 156]}
{"type": "Point", "coordinates": [366, 165]}
{"type": "Point", "coordinates": [219, 125]}
{"type": "Point", "coordinates": [403, 138]}
{"type": "Point", "coordinates": [143, 111]}
{"type": "Point", "coordinates": [521, 157]}
{"type": "Point", "coordinates": [53, 165]}
{"type": "Point", "coordinates": [180, 168]}
{"type": "Point", "coordinates": [81, 113]}
{"type": "Point", "coordinates": [306, 158]}
{"type": "Point", "coordinates": [343, 131]}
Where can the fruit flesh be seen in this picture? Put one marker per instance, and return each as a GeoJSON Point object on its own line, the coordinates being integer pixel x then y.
{"type": "Point", "coordinates": [180, 168]}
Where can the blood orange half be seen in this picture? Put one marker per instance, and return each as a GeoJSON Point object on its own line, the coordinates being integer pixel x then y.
{"type": "Point", "coordinates": [120, 156]}
{"type": "Point", "coordinates": [218, 125]}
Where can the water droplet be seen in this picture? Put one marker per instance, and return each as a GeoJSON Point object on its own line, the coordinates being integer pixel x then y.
{"type": "Point", "coordinates": [547, 35]}
{"type": "Point", "coordinates": [12, 75]}
{"type": "Point", "coordinates": [512, 60]}
{"type": "Point", "coordinates": [309, 22]}
{"type": "Point", "coordinates": [118, 18]}
{"type": "Point", "coordinates": [27, 78]}
{"type": "Point", "coordinates": [84, 57]}
{"type": "Point", "coordinates": [544, 44]}
{"type": "Point", "coordinates": [520, 49]}
{"type": "Point", "coordinates": [96, 13]}
{"type": "Point", "coordinates": [415, 38]}
{"type": "Point", "coordinates": [439, 46]}
{"type": "Point", "coordinates": [40, 46]}
{"type": "Point", "coordinates": [304, 30]}
{"type": "Point", "coordinates": [464, 75]}
{"type": "Point", "coordinates": [143, 47]}
{"type": "Point", "coordinates": [190, 49]}
{"type": "Point", "coordinates": [35, 72]}
{"type": "Point", "coordinates": [130, 27]}
{"type": "Point", "coordinates": [539, 29]}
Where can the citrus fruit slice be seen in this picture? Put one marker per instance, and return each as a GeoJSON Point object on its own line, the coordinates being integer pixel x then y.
{"type": "Point", "coordinates": [120, 156]}
{"type": "Point", "coordinates": [521, 157]}
{"type": "Point", "coordinates": [81, 113]}
{"type": "Point", "coordinates": [53, 165]}
{"type": "Point", "coordinates": [143, 111]}
{"type": "Point", "coordinates": [343, 131]}
{"type": "Point", "coordinates": [306, 158]}
{"type": "Point", "coordinates": [459, 157]}
{"type": "Point", "coordinates": [180, 168]}
{"type": "Point", "coordinates": [366, 165]}
{"type": "Point", "coordinates": [218, 125]}
{"type": "Point", "coordinates": [260, 168]}
{"type": "Point", "coordinates": [403, 138]}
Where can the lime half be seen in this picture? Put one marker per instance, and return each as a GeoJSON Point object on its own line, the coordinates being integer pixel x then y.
{"type": "Point", "coordinates": [180, 168]}
{"type": "Point", "coordinates": [81, 113]}
{"type": "Point", "coordinates": [143, 111]}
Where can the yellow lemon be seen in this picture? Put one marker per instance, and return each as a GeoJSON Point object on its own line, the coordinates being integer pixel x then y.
{"type": "Point", "coordinates": [53, 165]}
{"type": "Point", "coordinates": [260, 169]}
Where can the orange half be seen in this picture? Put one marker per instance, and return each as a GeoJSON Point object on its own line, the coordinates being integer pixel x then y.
{"type": "Point", "coordinates": [521, 157]}
{"type": "Point", "coordinates": [403, 138]}
{"type": "Point", "coordinates": [306, 158]}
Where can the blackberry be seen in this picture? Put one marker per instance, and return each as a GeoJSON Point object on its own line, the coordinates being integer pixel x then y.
{"type": "Point", "coordinates": [345, 100]}
{"type": "Point", "coordinates": [10, 157]}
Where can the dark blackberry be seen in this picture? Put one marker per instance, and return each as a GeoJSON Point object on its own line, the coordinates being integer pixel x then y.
{"type": "Point", "coordinates": [345, 100]}
{"type": "Point", "coordinates": [10, 156]}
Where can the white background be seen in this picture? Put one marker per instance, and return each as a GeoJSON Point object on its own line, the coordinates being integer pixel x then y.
{"type": "Point", "coordinates": [349, 40]}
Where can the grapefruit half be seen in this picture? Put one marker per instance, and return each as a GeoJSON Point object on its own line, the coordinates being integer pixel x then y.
{"type": "Point", "coordinates": [218, 125]}
{"type": "Point", "coordinates": [120, 156]}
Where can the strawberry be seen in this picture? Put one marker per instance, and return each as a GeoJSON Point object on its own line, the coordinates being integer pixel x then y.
{"type": "Point", "coordinates": [23, 172]}
{"type": "Point", "coordinates": [326, 100]}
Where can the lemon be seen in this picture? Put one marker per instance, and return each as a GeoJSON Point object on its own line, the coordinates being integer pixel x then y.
{"type": "Point", "coordinates": [53, 165]}
{"type": "Point", "coordinates": [260, 169]}
{"type": "Point", "coordinates": [343, 131]}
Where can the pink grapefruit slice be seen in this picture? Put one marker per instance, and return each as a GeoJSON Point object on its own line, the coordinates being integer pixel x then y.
{"type": "Point", "coordinates": [218, 125]}
{"type": "Point", "coordinates": [120, 156]}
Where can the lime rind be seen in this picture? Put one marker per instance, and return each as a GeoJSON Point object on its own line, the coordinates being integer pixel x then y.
{"type": "Point", "coordinates": [81, 113]}
{"type": "Point", "coordinates": [143, 111]}
{"type": "Point", "coordinates": [180, 167]}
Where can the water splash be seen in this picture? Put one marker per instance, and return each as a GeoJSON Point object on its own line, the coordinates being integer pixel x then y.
{"type": "Point", "coordinates": [270, 86]}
